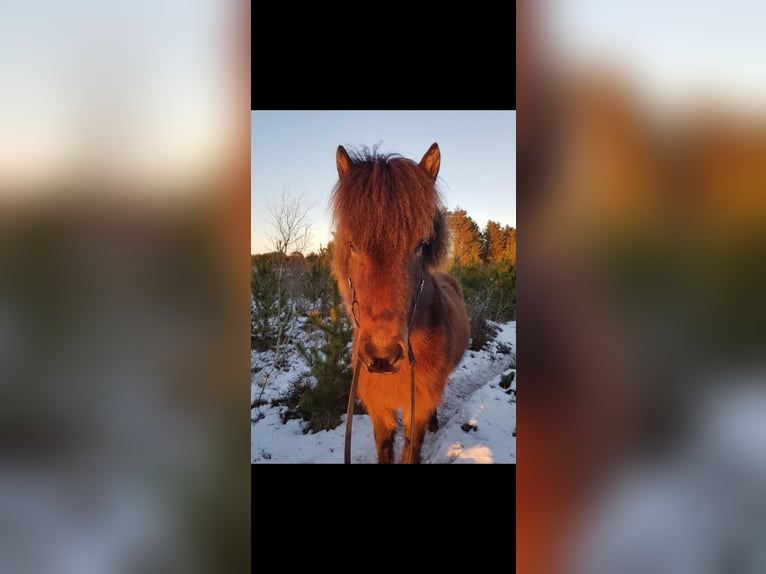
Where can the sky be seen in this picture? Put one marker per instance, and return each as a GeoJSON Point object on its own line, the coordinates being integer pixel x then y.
{"type": "Point", "coordinates": [473, 398]}
{"type": "Point", "coordinates": [295, 151]}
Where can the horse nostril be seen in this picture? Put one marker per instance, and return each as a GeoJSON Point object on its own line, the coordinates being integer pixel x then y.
{"type": "Point", "coordinates": [380, 366]}
{"type": "Point", "coordinates": [398, 353]}
{"type": "Point", "coordinates": [383, 360]}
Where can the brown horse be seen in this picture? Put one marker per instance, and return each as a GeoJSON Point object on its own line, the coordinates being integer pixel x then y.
{"type": "Point", "coordinates": [390, 239]}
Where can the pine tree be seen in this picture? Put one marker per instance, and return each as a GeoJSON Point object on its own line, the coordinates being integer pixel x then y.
{"type": "Point", "coordinates": [317, 282]}
{"type": "Point", "coordinates": [466, 238]}
{"type": "Point", "coordinates": [329, 366]}
{"type": "Point", "coordinates": [495, 239]}
{"type": "Point", "coordinates": [269, 306]}
{"type": "Point", "coordinates": [509, 250]}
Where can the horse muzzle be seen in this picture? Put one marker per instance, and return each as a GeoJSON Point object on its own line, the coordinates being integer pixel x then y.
{"type": "Point", "coordinates": [385, 360]}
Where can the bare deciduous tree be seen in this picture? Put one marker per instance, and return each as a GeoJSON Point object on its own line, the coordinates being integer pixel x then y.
{"type": "Point", "coordinates": [291, 233]}
{"type": "Point", "coordinates": [290, 222]}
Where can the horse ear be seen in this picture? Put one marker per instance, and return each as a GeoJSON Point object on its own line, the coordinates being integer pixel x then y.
{"type": "Point", "coordinates": [431, 161]}
{"type": "Point", "coordinates": [342, 160]}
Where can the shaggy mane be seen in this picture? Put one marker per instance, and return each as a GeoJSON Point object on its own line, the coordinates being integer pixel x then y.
{"type": "Point", "coordinates": [385, 204]}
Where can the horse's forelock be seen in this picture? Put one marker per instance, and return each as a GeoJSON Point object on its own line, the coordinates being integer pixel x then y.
{"type": "Point", "coordinates": [385, 204]}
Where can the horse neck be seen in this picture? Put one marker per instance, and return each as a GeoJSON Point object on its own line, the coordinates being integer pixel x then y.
{"type": "Point", "coordinates": [428, 303]}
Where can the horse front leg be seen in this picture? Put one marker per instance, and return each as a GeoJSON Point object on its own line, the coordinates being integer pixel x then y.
{"type": "Point", "coordinates": [384, 427]}
{"type": "Point", "coordinates": [416, 439]}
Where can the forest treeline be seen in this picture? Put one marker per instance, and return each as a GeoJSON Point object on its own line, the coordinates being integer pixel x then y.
{"type": "Point", "coordinates": [296, 291]}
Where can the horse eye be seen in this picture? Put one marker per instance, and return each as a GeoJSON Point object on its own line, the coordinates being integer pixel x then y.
{"type": "Point", "coordinates": [419, 246]}
{"type": "Point", "coordinates": [350, 246]}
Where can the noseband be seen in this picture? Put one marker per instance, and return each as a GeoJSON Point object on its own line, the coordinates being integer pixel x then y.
{"type": "Point", "coordinates": [357, 368]}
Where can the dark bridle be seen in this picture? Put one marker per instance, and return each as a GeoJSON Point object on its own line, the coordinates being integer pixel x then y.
{"type": "Point", "coordinates": [410, 355]}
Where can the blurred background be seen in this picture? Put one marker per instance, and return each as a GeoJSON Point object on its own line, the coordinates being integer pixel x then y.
{"type": "Point", "coordinates": [124, 178]}
{"type": "Point", "coordinates": [641, 186]}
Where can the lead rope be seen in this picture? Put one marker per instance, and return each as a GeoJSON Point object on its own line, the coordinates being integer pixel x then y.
{"type": "Point", "coordinates": [350, 412]}
{"type": "Point", "coordinates": [412, 398]}
{"type": "Point", "coordinates": [411, 356]}
{"type": "Point", "coordinates": [354, 381]}
{"type": "Point", "coordinates": [357, 368]}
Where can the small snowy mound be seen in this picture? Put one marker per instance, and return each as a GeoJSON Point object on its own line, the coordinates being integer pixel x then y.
{"type": "Point", "coordinates": [484, 428]}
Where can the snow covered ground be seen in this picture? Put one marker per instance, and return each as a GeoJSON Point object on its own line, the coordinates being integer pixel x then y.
{"type": "Point", "coordinates": [477, 417]}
